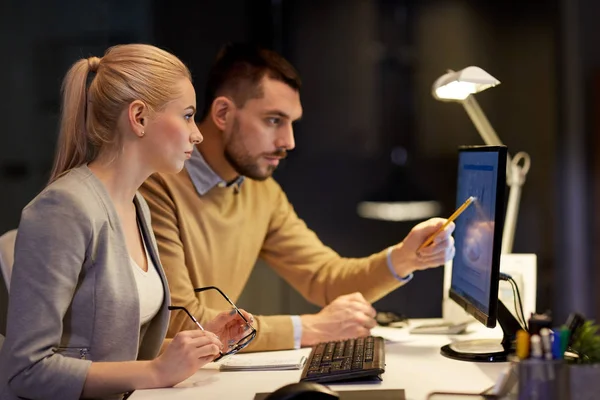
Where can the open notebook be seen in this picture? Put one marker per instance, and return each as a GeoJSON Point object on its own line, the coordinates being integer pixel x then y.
{"type": "Point", "coordinates": [264, 361]}
{"type": "Point", "coordinates": [384, 394]}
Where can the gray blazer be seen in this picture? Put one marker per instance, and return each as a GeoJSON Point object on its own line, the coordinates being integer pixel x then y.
{"type": "Point", "coordinates": [73, 297]}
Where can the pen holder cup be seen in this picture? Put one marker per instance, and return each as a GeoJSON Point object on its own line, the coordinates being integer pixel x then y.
{"type": "Point", "coordinates": [543, 380]}
{"type": "Point", "coordinates": [584, 381]}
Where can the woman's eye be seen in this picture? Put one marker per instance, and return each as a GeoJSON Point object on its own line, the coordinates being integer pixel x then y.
{"type": "Point", "coordinates": [189, 117]}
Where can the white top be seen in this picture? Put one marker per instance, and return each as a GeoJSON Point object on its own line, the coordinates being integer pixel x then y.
{"type": "Point", "coordinates": [150, 288]}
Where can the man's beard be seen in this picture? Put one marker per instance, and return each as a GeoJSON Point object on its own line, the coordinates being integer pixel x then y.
{"type": "Point", "coordinates": [243, 163]}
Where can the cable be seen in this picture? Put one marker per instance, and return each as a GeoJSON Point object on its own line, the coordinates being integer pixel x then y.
{"type": "Point", "coordinates": [504, 277]}
{"type": "Point", "coordinates": [516, 289]}
{"type": "Point", "coordinates": [515, 303]}
{"type": "Point", "coordinates": [516, 295]}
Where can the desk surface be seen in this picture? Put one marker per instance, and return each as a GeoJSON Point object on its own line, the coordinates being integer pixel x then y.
{"type": "Point", "coordinates": [413, 363]}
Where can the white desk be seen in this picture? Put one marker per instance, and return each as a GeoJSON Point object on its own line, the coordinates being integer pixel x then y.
{"type": "Point", "coordinates": [414, 364]}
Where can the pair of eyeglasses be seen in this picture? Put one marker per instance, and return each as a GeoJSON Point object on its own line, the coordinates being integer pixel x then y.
{"type": "Point", "coordinates": [240, 344]}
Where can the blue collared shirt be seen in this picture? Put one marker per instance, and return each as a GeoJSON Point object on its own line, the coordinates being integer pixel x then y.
{"type": "Point", "coordinates": [203, 177]}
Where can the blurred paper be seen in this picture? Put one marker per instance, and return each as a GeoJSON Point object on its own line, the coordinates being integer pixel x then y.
{"type": "Point", "coordinates": [265, 361]}
{"type": "Point", "coordinates": [394, 335]}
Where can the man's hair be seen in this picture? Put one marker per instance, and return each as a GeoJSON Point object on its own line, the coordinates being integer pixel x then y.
{"type": "Point", "coordinates": [238, 70]}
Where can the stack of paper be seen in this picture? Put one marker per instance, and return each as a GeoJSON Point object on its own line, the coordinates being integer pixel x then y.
{"type": "Point", "coordinates": [265, 361]}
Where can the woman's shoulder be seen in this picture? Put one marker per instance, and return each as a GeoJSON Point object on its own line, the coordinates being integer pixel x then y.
{"type": "Point", "coordinates": [73, 193]}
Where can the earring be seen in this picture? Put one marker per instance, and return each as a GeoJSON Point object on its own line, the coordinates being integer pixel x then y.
{"type": "Point", "coordinates": [142, 134]}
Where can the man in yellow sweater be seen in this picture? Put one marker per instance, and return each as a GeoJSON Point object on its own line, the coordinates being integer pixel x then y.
{"type": "Point", "coordinates": [219, 215]}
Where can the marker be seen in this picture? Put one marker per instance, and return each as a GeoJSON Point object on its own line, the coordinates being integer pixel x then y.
{"type": "Point", "coordinates": [454, 215]}
{"type": "Point", "coordinates": [537, 322]}
{"type": "Point", "coordinates": [574, 322]}
{"type": "Point", "coordinates": [557, 352]}
{"type": "Point", "coordinates": [536, 347]}
{"type": "Point", "coordinates": [522, 344]}
{"type": "Point", "coordinates": [564, 339]}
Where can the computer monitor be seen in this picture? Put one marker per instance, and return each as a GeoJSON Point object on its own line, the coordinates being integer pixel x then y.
{"type": "Point", "coordinates": [478, 242]}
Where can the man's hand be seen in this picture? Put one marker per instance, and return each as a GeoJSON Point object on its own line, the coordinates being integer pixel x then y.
{"type": "Point", "coordinates": [346, 317]}
{"type": "Point", "coordinates": [406, 256]}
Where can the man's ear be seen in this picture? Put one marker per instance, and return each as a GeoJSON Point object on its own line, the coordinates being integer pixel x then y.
{"type": "Point", "coordinates": [221, 108]}
{"type": "Point", "coordinates": [138, 113]}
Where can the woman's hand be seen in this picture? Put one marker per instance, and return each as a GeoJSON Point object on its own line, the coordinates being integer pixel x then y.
{"type": "Point", "coordinates": [187, 352]}
{"type": "Point", "coordinates": [229, 326]}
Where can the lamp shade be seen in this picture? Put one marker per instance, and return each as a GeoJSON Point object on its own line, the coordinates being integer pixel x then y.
{"type": "Point", "coordinates": [457, 86]}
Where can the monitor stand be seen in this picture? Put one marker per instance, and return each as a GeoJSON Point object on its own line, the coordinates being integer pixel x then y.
{"type": "Point", "coordinates": [487, 350]}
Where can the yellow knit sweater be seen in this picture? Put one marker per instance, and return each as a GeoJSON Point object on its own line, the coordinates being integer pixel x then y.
{"type": "Point", "coordinates": [215, 239]}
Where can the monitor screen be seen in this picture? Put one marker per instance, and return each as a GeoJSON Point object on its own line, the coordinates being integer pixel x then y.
{"type": "Point", "coordinates": [478, 233]}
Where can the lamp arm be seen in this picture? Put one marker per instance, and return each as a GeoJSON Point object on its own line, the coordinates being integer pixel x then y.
{"type": "Point", "coordinates": [510, 220]}
{"type": "Point", "coordinates": [488, 134]}
{"type": "Point", "coordinates": [515, 173]}
{"type": "Point", "coordinates": [519, 173]}
{"type": "Point", "coordinates": [485, 129]}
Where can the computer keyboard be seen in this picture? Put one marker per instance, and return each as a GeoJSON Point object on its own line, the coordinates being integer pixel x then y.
{"type": "Point", "coordinates": [347, 360]}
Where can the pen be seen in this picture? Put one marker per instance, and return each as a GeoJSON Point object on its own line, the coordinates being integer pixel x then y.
{"type": "Point", "coordinates": [545, 339]}
{"type": "Point", "coordinates": [547, 347]}
{"type": "Point", "coordinates": [454, 215]}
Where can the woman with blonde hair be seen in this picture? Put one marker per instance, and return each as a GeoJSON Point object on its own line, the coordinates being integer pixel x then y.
{"type": "Point", "coordinates": [88, 306]}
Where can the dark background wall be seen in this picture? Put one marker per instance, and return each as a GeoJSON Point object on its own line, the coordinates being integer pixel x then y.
{"type": "Point", "coordinates": [368, 67]}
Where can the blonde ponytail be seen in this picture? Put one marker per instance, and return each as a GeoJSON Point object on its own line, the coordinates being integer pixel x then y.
{"type": "Point", "coordinates": [73, 147]}
{"type": "Point", "coordinates": [89, 115]}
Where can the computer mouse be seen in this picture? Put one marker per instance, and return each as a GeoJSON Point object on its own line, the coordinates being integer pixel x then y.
{"type": "Point", "coordinates": [302, 391]}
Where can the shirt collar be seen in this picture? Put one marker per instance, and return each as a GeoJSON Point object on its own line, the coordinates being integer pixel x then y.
{"type": "Point", "coordinates": [203, 177]}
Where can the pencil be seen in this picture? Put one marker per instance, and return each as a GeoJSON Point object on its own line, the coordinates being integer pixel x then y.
{"type": "Point", "coordinates": [450, 219]}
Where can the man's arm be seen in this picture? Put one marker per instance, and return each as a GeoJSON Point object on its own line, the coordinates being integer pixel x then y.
{"type": "Point", "coordinates": [345, 286]}
{"type": "Point", "coordinates": [315, 270]}
{"type": "Point", "coordinates": [273, 332]}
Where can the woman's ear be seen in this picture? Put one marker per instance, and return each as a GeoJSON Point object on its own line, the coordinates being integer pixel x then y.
{"type": "Point", "coordinates": [137, 113]}
{"type": "Point", "coordinates": [220, 110]}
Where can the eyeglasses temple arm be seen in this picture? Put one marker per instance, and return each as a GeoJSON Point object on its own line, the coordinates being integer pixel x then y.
{"type": "Point", "coordinates": [196, 322]}
{"type": "Point", "coordinates": [198, 290]}
{"type": "Point", "coordinates": [189, 315]}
